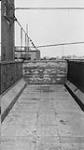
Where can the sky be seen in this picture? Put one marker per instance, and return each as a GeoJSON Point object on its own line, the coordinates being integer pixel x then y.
{"type": "Point", "coordinates": [52, 26]}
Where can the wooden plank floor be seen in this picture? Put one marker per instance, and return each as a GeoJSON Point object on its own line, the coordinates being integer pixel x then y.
{"type": "Point", "coordinates": [45, 117]}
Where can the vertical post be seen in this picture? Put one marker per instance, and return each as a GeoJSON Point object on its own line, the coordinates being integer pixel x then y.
{"type": "Point", "coordinates": [27, 37]}
{"type": "Point", "coordinates": [25, 43]}
{"type": "Point", "coordinates": [7, 30]}
{"type": "Point", "coordinates": [21, 40]}
{"type": "Point", "coordinates": [27, 48]}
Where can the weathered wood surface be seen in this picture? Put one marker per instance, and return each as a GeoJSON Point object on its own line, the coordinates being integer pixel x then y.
{"type": "Point", "coordinates": [45, 72]}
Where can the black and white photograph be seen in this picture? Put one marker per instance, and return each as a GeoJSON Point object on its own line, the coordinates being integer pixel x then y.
{"type": "Point", "coordinates": [42, 74]}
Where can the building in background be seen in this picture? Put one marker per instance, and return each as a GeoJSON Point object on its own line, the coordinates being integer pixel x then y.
{"type": "Point", "coordinates": [34, 54]}
{"type": "Point", "coordinates": [23, 53]}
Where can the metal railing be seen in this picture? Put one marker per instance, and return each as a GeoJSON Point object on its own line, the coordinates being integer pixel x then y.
{"type": "Point", "coordinates": [76, 73]}
{"type": "Point", "coordinates": [10, 73]}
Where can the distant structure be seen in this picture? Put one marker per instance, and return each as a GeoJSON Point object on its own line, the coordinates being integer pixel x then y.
{"type": "Point", "coordinates": [34, 54]}
{"type": "Point", "coordinates": [27, 55]}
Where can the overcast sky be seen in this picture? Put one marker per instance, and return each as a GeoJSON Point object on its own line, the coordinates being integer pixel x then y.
{"type": "Point", "coordinates": [53, 26]}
